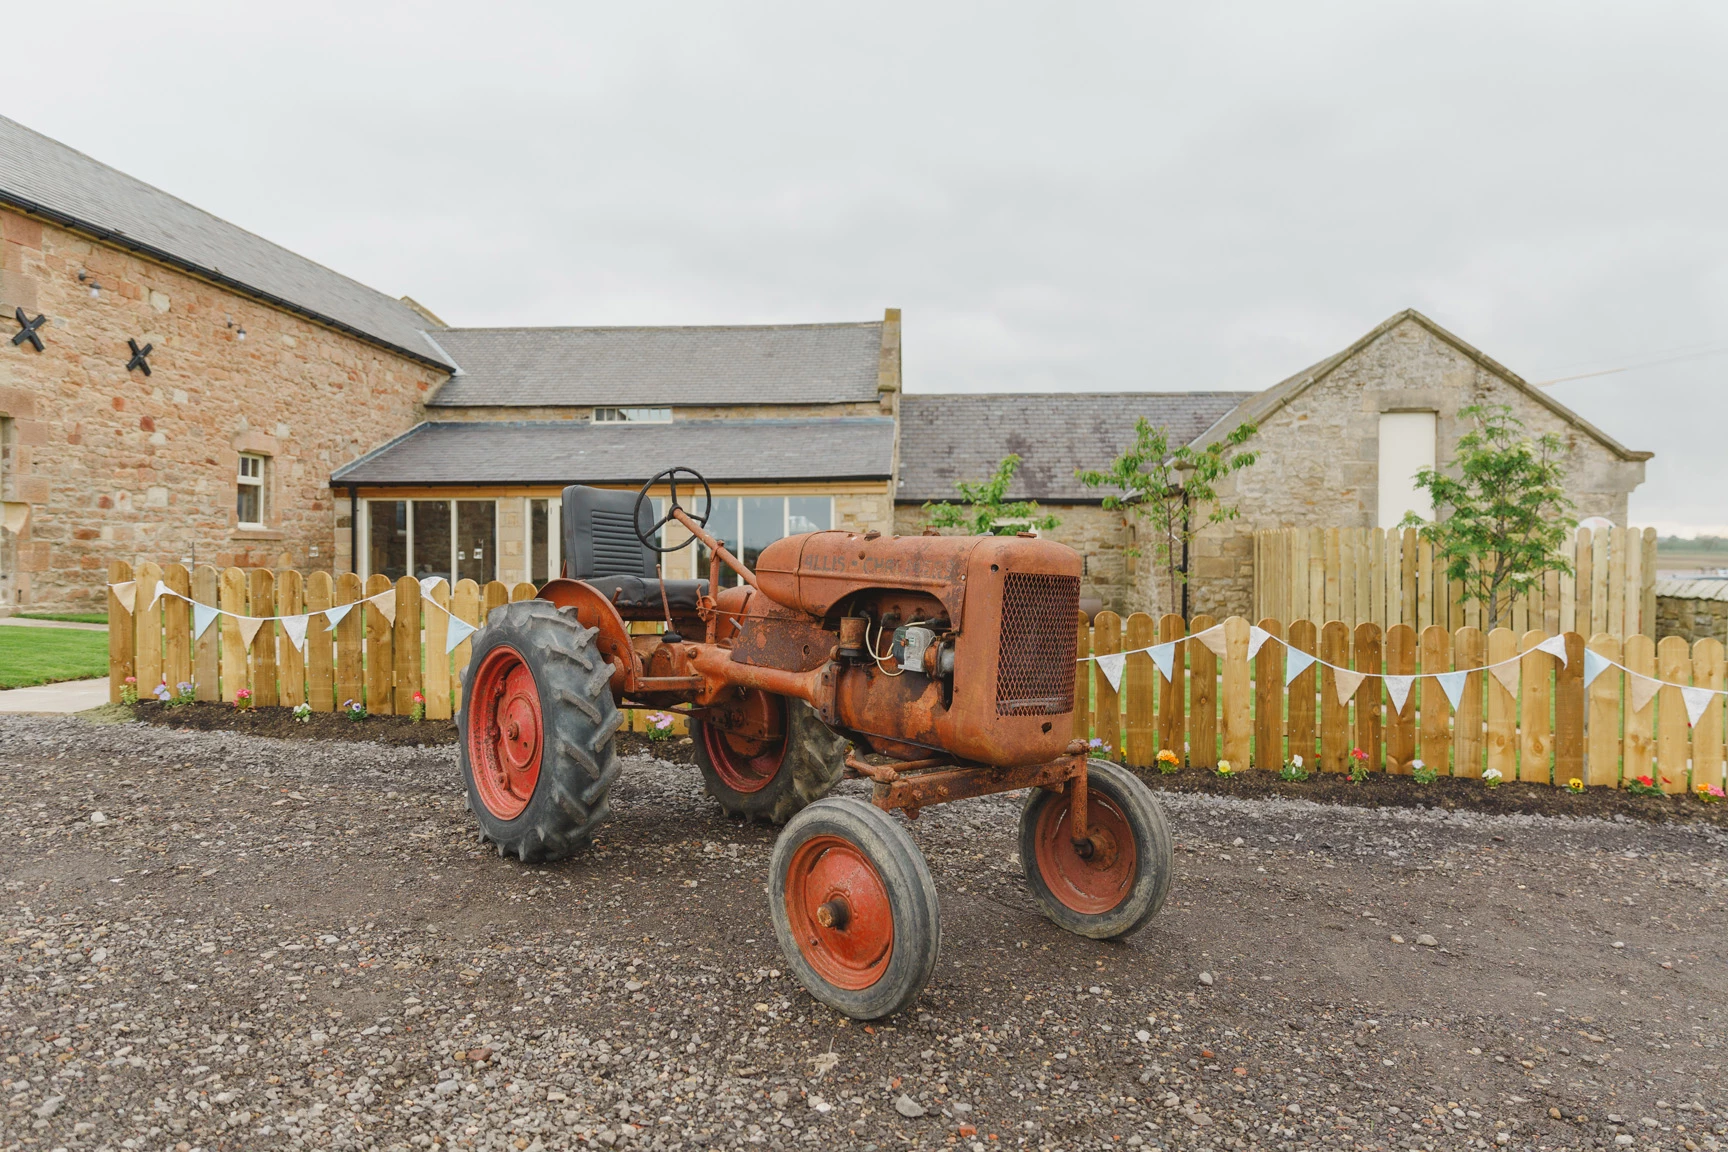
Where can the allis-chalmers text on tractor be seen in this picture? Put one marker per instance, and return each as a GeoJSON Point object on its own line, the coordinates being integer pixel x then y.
{"type": "Point", "coordinates": [946, 663]}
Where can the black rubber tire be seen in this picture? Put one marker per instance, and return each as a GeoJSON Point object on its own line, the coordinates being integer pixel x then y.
{"type": "Point", "coordinates": [911, 895]}
{"type": "Point", "coordinates": [579, 758]}
{"type": "Point", "coordinates": [1154, 851]}
{"type": "Point", "coordinates": [815, 761]}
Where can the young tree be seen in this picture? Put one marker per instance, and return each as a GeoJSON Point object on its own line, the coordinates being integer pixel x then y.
{"type": "Point", "coordinates": [985, 510]}
{"type": "Point", "coordinates": [1506, 513]}
{"type": "Point", "coordinates": [1162, 486]}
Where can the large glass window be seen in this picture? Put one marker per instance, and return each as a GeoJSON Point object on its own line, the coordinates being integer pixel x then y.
{"type": "Point", "coordinates": [387, 529]}
{"type": "Point", "coordinates": [758, 521]}
{"type": "Point", "coordinates": [476, 537]}
{"type": "Point", "coordinates": [809, 514]}
{"type": "Point", "coordinates": [539, 541]}
{"type": "Point", "coordinates": [764, 523]}
{"type": "Point", "coordinates": [432, 539]}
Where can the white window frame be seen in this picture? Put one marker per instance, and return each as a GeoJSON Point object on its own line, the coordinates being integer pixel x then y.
{"type": "Point", "coordinates": [365, 569]}
{"type": "Point", "coordinates": [554, 536]}
{"type": "Point", "coordinates": [632, 415]}
{"type": "Point", "coordinates": [260, 482]}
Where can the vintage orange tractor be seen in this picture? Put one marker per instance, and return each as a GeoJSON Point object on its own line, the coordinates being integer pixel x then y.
{"type": "Point", "coordinates": [946, 663]}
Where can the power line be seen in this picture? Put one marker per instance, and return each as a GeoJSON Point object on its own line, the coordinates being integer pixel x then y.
{"type": "Point", "coordinates": [1634, 367]}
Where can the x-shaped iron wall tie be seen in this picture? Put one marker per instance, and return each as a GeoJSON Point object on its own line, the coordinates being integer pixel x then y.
{"type": "Point", "coordinates": [27, 329]}
{"type": "Point", "coordinates": [139, 356]}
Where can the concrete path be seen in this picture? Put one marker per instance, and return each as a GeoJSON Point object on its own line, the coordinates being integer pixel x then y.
{"type": "Point", "coordinates": [69, 696]}
{"type": "Point", "coordinates": [20, 622]}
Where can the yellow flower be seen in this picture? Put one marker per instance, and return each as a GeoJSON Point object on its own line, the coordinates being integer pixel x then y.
{"type": "Point", "coordinates": [1575, 784]}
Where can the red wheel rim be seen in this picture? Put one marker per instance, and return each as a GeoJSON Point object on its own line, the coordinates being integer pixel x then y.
{"type": "Point", "coordinates": [1088, 886]}
{"type": "Point", "coordinates": [746, 765]}
{"type": "Point", "coordinates": [505, 734]}
{"type": "Point", "coordinates": [839, 912]}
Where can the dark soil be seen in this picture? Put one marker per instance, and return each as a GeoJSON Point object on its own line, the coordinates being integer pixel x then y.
{"type": "Point", "coordinates": [1381, 790]}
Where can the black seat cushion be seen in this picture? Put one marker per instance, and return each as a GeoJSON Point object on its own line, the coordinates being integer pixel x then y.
{"type": "Point", "coordinates": [637, 598]}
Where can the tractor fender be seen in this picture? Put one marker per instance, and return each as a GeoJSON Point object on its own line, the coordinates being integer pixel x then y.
{"type": "Point", "coordinates": [594, 610]}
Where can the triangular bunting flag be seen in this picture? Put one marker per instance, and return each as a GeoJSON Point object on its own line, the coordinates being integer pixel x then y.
{"type": "Point", "coordinates": [124, 592]}
{"type": "Point", "coordinates": [1257, 637]}
{"type": "Point", "coordinates": [1296, 662]}
{"type": "Point", "coordinates": [202, 615]}
{"type": "Point", "coordinates": [385, 602]}
{"type": "Point", "coordinates": [1164, 655]}
{"type": "Point", "coordinates": [1507, 673]}
{"type": "Point", "coordinates": [1111, 665]}
{"type": "Point", "coordinates": [1347, 682]}
{"type": "Point", "coordinates": [334, 615]}
{"type": "Point", "coordinates": [1594, 665]}
{"type": "Point", "coordinates": [1213, 638]}
{"type": "Point", "coordinates": [295, 628]}
{"type": "Point", "coordinates": [460, 630]}
{"type": "Point", "coordinates": [1555, 646]}
{"type": "Point", "coordinates": [427, 583]}
{"type": "Point", "coordinates": [1697, 699]}
{"type": "Point", "coordinates": [1452, 683]}
{"type": "Point", "coordinates": [161, 587]}
{"type": "Point", "coordinates": [1398, 688]}
{"type": "Point", "coordinates": [249, 626]}
{"type": "Point", "coordinates": [1641, 689]}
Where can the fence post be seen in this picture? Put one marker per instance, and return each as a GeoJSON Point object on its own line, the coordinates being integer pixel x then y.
{"type": "Point", "coordinates": [320, 664]}
{"type": "Point", "coordinates": [1647, 597]}
{"type": "Point", "coordinates": [437, 659]}
{"type": "Point", "coordinates": [465, 603]}
{"type": "Point", "coordinates": [1535, 724]}
{"type": "Point", "coordinates": [262, 591]}
{"type": "Point", "coordinates": [121, 635]}
{"type": "Point", "coordinates": [291, 661]}
{"type": "Point", "coordinates": [1237, 695]}
{"type": "Point", "coordinates": [1142, 722]}
{"type": "Point", "coordinates": [1082, 679]}
{"type": "Point", "coordinates": [1640, 658]}
{"type": "Point", "coordinates": [147, 625]}
{"type": "Point", "coordinates": [1368, 696]}
{"type": "Point", "coordinates": [1269, 698]}
{"type": "Point", "coordinates": [1201, 673]}
{"type": "Point", "coordinates": [350, 642]}
{"type": "Point", "coordinates": [1107, 711]}
{"type": "Point", "coordinates": [177, 628]}
{"type": "Point", "coordinates": [1673, 739]}
{"type": "Point", "coordinates": [1334, 716]}
{"type": "Point", "coordinates": [1467, 652]}
{"type": "Point", "coordinates": [1707, 733]}
{"type": "Point", "coordinates": [1434, 710]}
{"type": "Point", "coordinates": [1603, 763]}
{"type": "Point", "coordinates": [1304, 638]}
{"type": "Point", "coordinates": [206, 652]}
{"type": "Point", "coordinates": [1502, 709]}
{"type": "Point", "coordinates": [1401, 723]}
{"type": "Point", "coordinates": [407, 678]}
{"type": "Point", "coordinates": [380, 650]}
{"type": "Point", "coordinates": [1569, 713]}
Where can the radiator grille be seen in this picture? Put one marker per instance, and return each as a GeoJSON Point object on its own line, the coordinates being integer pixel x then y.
{"type": "Point", "coordinates": [617, 551]}
{"type": "Point", "coordinates": [1035, 664]}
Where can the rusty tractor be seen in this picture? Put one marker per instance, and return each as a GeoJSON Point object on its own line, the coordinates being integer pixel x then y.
{"type": "Point", "coordinates": [936, 667]}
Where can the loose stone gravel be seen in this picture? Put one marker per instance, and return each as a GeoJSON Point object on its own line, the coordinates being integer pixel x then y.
{"type": "Point", "coordinates": [270, 944]}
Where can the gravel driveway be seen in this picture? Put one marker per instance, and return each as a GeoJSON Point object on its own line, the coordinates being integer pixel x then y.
{"type": "Point", "coordinates": [220, 941]}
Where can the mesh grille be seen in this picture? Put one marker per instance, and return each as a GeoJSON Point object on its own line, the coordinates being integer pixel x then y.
{"type": "Point", "coordinates": [1035, 665]}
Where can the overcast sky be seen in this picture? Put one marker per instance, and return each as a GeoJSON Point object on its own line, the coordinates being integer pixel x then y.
{"type": "Point", "coordinates": [1061, 197]}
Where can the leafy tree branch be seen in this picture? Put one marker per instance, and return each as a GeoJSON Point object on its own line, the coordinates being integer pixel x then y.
{"type": "Point", "coordinates": [985, 510]}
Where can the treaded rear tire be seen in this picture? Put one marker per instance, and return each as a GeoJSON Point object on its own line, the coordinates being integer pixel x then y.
{"type": "Point", "coordinates": [815, 761]}
{"type": "Point", "coordinates": [579, 720]}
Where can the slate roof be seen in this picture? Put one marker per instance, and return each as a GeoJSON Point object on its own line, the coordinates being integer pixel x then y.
{"type": "Point", "coordinates": [577, 452]}
{"type": "Point", "coordinates": [965, 436]}
{"type": "Point", "coordinates": [46, 178]}
{"type": "Point", "coordinates": [654, 367]}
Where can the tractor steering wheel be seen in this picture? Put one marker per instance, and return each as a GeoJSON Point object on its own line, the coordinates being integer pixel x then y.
{"type": "Point", "coordinates": [670, 476]}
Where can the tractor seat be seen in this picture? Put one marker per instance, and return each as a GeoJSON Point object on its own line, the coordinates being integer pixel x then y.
{"type": "Point", "coordinates": [638, 598]}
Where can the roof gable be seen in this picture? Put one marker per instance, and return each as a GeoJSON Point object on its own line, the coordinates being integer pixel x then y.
{"type": "Point", "coordinates": [46, 178]}
{"type": "Point", "coordinates": [1259, 406]}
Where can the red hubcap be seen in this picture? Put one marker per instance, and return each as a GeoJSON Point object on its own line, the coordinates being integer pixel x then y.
{"type": "Point", "coordinates": [504, 733]}
{"type": "Point", "coordinates": [743, 763]}
{"type": "Point", "coordinates": [1089, 885]}
{"type": "Point", "coordinates": [839, 912]}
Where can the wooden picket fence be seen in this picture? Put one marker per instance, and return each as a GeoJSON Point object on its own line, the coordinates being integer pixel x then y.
{"type": "Point", "coordinates": [1389, 576]}
{"type": "Point", "coordinates": [1551, 731]}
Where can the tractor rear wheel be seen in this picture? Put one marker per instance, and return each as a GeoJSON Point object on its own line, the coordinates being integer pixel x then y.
{"type": "Point", "coordinates": [854, 908]}
{"type": "Point", "coordinates": [771, 778]}
{"type": "Point", "coordinates": [536, 732]}
{"type": "Point", "coordinates": [1121, 884]}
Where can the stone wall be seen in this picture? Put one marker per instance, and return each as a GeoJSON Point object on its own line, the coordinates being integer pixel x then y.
{"type": "Point", "coordinates": [1319, 455]}
{"type": "Point", "coordinates": [117, 465]}
{"type": "Point", "coordinates": [1692, 609]}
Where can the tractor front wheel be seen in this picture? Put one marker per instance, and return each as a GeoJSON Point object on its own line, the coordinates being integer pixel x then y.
{"type": "Point", "coordinates": [854, 908]}
{"type": "Point", "coordinates": [536, 731]}
{"type": "Point", "coordinates": [775, 757]}
{"type": "Point", "coordinates": [1121, 881]}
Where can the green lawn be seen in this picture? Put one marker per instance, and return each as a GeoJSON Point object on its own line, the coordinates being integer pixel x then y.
{"type": "Point", "coordinates": [45, 655]}
{"type": "Point", "coordinates": [72, 617]}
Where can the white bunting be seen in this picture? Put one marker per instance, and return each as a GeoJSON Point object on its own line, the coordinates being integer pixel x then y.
{"type": "Point", "coordinates": [161, 587]}
{"type": "Point", "coordinates": [1452, 683]}
{"type": "Point", "coordinates": [1164, 655]}
{"type": "Point", "coordinates": [1398, 688]}
{"type": "Point", "coordinates": [460, 630]}
{"type": "Point", "coordinates": [249, 626]}
{"type": "Point", "coordinates": [1111, 665]}
{"type": "Point", "coordinates": [1697, 699]}
{"type": "Point", "coordinates": [295, 628]}
{"type": "Point", "coordinates": [1507, 673]}
{"type": "Point", "coordinates": [427, 583]}
{"type": "Point", "coordinates": [385, 602]}
{"type": "Point", "coordinates": [1555, 646]}
{"type": "Point", "coordinates": [1213, 638]}
{"type": "Point", "coordinates": [1594, 665]}
{"type": "Point", "coordinates": [1257, 637]}
{"type": "Point", "coordinates": [1641, 689]}
{"type": "Point", "coordinates": [334, 615]}
{"type": "Point", "coordinates": [1347, 682]}
{"type": "Point", "coordinates": [125, 592]}
{"type": "Point", "coordinates": [202, 615]}
{"type": "Point", "coordinates": [1296, 662]}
